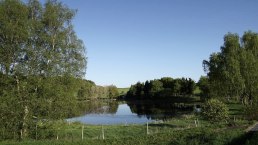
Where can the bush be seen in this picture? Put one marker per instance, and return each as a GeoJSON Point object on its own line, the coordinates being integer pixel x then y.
{"type": "Point", "coordinates": [214, 110]}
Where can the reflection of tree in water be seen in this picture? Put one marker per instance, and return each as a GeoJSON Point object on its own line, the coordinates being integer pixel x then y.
{"type": "Point", "coordinates": [158, 110]}
{"type": "Point", "coordinates": [98, 107]}
{"type": "Point", "coordinates": [113, 106]}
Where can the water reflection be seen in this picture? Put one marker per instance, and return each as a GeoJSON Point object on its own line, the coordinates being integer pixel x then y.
{"type": "Point", "coordinates": [159, 110]}
{"type": "Point", "coordinates": [109, 113]}
{"type": "Point", "coordinates": [136, 112]}
{"type": "Point", "coordinates": [98, 107]}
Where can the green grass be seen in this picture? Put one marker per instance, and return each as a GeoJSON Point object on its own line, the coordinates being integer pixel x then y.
{"type": "Point", "coordinates": [178, 131]}
{"type": "Point", "coordinates": [193, 136]}
{"type": "Point", "coordinates": [235, 110]}
{"type": "Point", "coordinates": [123, 91]}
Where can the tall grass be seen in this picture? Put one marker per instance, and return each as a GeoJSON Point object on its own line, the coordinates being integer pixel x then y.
{"type": "Point", "coordinates": [180, 131]}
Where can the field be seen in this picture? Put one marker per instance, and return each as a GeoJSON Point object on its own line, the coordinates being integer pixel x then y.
{"type": "Point", "coordinates": [179, 131]}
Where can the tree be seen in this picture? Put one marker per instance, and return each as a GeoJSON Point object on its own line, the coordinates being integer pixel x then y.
{"type": "Point", "coordinates": [156, 87]}
{"type": "Point", "coordinates": [40, 59]}
{"type": "Point", "coordinates": [230, 55]}
{"type": "Point", "coordinates": [131, 92]}
{"type": "Point", "coordinates": [139, 90]}
{"type": "Point", "coordinates": [230, 70]}
{"type": "Point", "coordinates": [85, 91]}
{"type": "Point", "coordinates": [190, 86]}
{"type": "Point", "coordinates": [147, 88]}
{"type": "Point", "coordinates": [113, 92]}
{"type": "Point", "coordinates": [13, 34]}
{"type": "Point", "coordinates": [249, 67]}
{"type": "Point", "coordinates": [63, 51]}
{"type": "Point", "coordinates": [204, 86]}
{"type": "Point", "coordinates": [187, 86]}
{"type": "Point", "coordinates": [164, 87]}
{"type": "Point", "coordinates": [167, 82]}
{"type": "Point", "coordinates": [177, 87]}
{"type": "Point", "coordinates": [233, 72]}
{"type": "Point", "coordinates": [13, 39]}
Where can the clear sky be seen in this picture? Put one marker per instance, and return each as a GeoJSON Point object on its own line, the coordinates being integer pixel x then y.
{"type": "Point", "coordinates": [137, 40]}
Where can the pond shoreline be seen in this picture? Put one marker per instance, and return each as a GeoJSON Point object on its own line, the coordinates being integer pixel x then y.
{"type": "Point", "coordinates": [109, 111]}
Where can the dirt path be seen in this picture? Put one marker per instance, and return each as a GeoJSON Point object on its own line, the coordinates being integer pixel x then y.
{"type": "Point", "coordinates": [252, 128]}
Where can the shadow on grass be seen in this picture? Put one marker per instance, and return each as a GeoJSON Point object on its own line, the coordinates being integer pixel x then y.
{"type": "Point", "coordinates": [250, 138]}
{"type": "Point", "coordinates": [163, 125]}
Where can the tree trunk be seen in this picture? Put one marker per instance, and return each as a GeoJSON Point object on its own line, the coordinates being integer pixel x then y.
{"type": "Point", "coordinates": [23, 127]}
{"type": "Point", "coordinates": [24, 122]}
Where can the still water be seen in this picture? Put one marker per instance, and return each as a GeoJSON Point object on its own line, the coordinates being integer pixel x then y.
{"type": "Point", "coordinates": [123, 115]}
{"type": "Point", "coordinates": [115, 112]}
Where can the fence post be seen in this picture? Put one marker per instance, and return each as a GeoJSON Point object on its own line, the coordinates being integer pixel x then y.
{"type": "Point", "coordinates": [82, 131]}
{"type": "Point", "coordinates": [57, 135]}
{"type": "Point", "coordinates": [103, 135]}
{"type": "Point", "coordinates": [3, 135]}
{"type": "Point", "coordinates": [147, 128]}
{"type": "Point", "coordinates": [36, 131]}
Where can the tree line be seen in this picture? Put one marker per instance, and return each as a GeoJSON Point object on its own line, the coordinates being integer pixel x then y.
{"type": "Point", "coordinates": [160, 88]}
{"type": "Point", "coordinates": [89, 90]}
{"type": "Point", "coordinates": [232, 73]}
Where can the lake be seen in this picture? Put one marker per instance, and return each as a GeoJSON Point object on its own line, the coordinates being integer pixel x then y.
{"type": "Point", "coordinates": [123, 115]}
{"type": "Point", "coordinates": [138, 112]}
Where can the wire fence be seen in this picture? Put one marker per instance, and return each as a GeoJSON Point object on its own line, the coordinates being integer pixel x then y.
{"type": "Point", "coordinates": [81, 132]}
{"type": "Point", "coordinates": [76, 131]}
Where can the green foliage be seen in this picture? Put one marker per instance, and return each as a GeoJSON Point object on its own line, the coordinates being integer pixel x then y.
{"type": "Point", "coordinates": [85, 91]}
{"type": "Point", "coordinates": [113, 92]}
{"type": "Point", "coordinates": [160, 88]}
{"type": "Point", "coordinates": [215, 110]}
{"type": "Point", "coordinates": [136, 90]}
{"type": "Point", "coordinates": [13, 33]}
{"type": "Point", "coordinates": [233, 72]}
{"type": "Point", "coordinates": [251, 112]}
{"type": "Point", "coordinates": [187, 86]}
{"type": "Point", "coordinates": [41, 59]}
{"type": "Point", "coordinates": [123, 91]}
{"type": "Point", "coordinates": [203, 85]}
{"type": "Point", "coordinates": [100, 92]}
{"type": "Point", "coordinates": [156, 87]}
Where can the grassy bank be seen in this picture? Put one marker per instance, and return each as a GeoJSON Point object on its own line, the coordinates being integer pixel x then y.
{"type": "Point", "coordinates": [184, 129]}
{"type": "Point", "coordinates": [180, 131]}
{"type": "Point", "coordinates": [194, 136]}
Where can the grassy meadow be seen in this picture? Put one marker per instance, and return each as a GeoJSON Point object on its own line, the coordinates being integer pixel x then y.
{"type": "Point", "coordinates": [186, 129]}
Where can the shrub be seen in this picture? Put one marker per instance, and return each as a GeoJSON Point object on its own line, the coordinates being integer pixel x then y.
{"type": "Point", "coordinates": [214, 110]}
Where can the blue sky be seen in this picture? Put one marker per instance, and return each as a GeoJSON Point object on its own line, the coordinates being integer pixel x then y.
{"type": "Point", "coordinates": [136, 40]}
